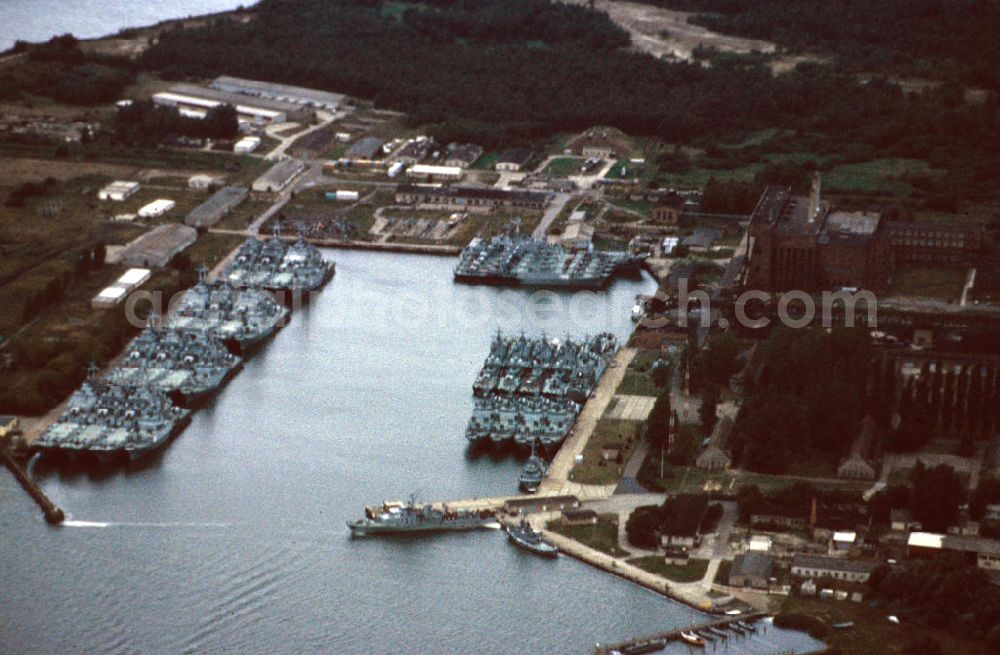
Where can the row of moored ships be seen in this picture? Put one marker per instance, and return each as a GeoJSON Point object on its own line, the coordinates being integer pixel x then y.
{"type": "Point", "coordinates": [531, 389]}
{"type": "Point", "coordinates": [513, 259]}
{"type": "Point", "coordinates": [145, 399]}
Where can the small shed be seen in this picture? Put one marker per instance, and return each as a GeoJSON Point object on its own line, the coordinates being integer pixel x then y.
{"type": "Point", "coordinates": [579, 517]}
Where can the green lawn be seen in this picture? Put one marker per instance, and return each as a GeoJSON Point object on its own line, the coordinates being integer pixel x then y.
{"type": "Point", "coordinates": [690, 479]}
{"type": "Point", "coordinates": [657, 564]}
{"type": "Point", "coordinates": [930, 281]}
{"type": "Point", "coordinates": [638, 384]}
{"type": "Point", "coordinates": [595, 470]}
{"type": "Point", "coordinates": [603, 536]}
{"type": "Point", "coordinates": [882, 175]}
{"type": "Point", "coordinates": [563, 166]}
{"type": "Point", "coordinates": [487, 162]}
{"type": "Point", "coordinates": [871, 632]}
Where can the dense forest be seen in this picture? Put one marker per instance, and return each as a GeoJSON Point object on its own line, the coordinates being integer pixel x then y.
{"type": "Point", "coordinates": [811, 394]}
{"type": "Point", "coordinates": [935, 38]}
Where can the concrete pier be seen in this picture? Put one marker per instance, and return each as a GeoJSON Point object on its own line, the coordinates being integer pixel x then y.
{"type": "Point", "coordinates": [52, 513]}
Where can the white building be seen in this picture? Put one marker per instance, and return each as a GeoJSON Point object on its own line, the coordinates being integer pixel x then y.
{"type": "Point", "coordinates": [201, 181]}
{"type": "Point", "coordinates": [246, 145]}
{"type": "Point", "coordinates": [118, 190]}
{"type": "Point", "coordinates": [158, 207]}
{"type": "Point", "coordinates": [435, 172]}
{"type": "Point", "coordinates": [115, 293]}
{"type": "Point", "coordinates": [195, 107]}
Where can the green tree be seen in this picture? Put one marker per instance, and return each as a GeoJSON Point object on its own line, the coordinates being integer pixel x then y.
{"type": "Point", "coordinates": [937, 494]}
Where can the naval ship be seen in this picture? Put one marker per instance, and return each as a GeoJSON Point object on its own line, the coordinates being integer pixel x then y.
{"type": "Point", "coordinates": [188, 366]}
{"type": "Point", "coordinates": [241, 318]}
{"type": "Point", "coordinates": [534, 471]}
{"type": "Point", "coordinates": [512, 259]}
{"type": "Point", "coordinates": [531, 389]}
{"type": "Point", "coordinates": [276, 266]}
{"type": "Point", "coordinates": [524, 536]}
{"type": "Point", "coordinates": [111, 422]}
{"type": "Point", "coordinates": [402, 518]}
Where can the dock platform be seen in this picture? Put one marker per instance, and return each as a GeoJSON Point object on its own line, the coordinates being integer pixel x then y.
{"type": "Point", "coordinates": [52, 513]}
{"type": "Point", "coordinates": [658, 641]}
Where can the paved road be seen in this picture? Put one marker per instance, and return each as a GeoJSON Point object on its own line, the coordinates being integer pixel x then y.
{"type": "Point", "coordinates": [629, 484]}
{"type": "Point", "coordinates": [559, 201]}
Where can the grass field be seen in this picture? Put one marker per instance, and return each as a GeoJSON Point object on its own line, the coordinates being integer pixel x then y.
{"type": "Point", "coordinates": [595, 470]}
{"type": "Point", "coordinates": [689, 479]}
{"type": "Point", "coordinates": [871, 632]}
{"type": "Point", "coordinates": [880, 175]}
{"type": "Point", "coordinates": [638, 384]}
{"type": "Point", "coordinates": [563, 166]}
{"type": "Point", "coordinates": [940, 281]}
{"type": "Point", "coordinates": [487, 162]}
{"type": "Point", "coordinates": [602, 536]}
{"type": "Point", "coordinates": [692, 572]}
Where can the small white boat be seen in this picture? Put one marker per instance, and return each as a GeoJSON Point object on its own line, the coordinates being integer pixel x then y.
{"type": "Point", "coordinates": [693, 639]}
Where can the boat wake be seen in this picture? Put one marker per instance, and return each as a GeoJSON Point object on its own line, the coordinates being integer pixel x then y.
{"type": "Point", "coordinates": [126, 524]}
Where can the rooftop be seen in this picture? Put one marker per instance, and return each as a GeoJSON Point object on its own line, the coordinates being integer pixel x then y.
{"type": "Point", "coordinates": [753, 563]}
{"type": "Point", "coordinates": [833, 563]}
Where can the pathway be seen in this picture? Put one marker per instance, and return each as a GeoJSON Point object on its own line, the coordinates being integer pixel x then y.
{"type": "Point", "coordinates": [559, 201]}
{"type": "Point", "coordinates": [557, 480]}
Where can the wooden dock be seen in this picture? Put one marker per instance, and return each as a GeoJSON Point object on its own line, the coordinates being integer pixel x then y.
{"type": "Point", "coordinates": [52, 513]}
{"type": "Point", "coordinates": [709, 630]}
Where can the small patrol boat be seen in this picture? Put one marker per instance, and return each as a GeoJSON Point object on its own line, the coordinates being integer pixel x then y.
{"type": "Point", "coordinates": [531, 540]}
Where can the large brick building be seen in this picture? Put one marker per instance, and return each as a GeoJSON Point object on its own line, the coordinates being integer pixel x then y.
{"type": "Point", "coordinates": [799, 242]}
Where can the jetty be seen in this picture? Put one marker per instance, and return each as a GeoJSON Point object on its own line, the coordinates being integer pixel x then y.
{"type": "Point", "coordinates": [709, 631]}
{"type": "Point", "coordinates": [52, 513]}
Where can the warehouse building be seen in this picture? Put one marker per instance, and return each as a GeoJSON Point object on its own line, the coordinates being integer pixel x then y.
{"type": "Point", "coordinates": [429, 172]}
{"type": "Point", "coordinates": [752, 570]}
{"type": "Point", "coordinates": [514, 160]}
{"type": "Point", "coordinates": [118, 190]}
{"type": "Point", "coordinates": [283, 92]}
{"type": "Point", "coordinates": [474, 199]}
{"type": "Point", "coordinates": [365, 148]}
{"type": "Point", "coordinates": [199, 99]}
{"type": "Point", "coordinates": [278, 176]}
{"type": "Point", "coordinates": [218, 205]}
{"type": "Point", "coordinates": [837, 568]}
{"type": "Point", "coordinates": [158, 246]}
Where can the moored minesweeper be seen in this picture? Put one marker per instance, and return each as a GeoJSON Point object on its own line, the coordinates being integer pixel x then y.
{"type": "Point", "coordinates": [188, 365]}
{"type": "Point", "coordinates": [242, 318]}
{"type": "Point", "coordinates": [276, 266]}
{"type": "Point", "coordinates": [110, 422]}
{"type": "Point", "coordinates": [402, 518]}
{"type": "Point", "coordinates": [514, 259]}
{"type": "Point", "coordinates": [531, 389]}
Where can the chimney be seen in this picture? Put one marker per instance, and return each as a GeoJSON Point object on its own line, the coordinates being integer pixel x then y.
{"type": "Point", "coordinates": [812, 513]}
{"type": "Point", "coordinates": [814, 198]}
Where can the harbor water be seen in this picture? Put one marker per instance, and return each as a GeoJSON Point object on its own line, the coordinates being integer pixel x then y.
{"type": "Point", "coordinates": [233, 539]}
{"type": "Point", "coordinates": [40, 20]}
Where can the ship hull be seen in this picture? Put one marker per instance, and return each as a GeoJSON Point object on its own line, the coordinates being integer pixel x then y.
{"type": "Point", "coordinates": [373, 530]}
{"type": "Point", "coordinates": [542, 550]}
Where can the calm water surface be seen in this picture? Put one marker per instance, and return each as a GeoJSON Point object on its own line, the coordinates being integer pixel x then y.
{"type": "Point", "coordinates": [233, 540]}
{"type": "Point", "coordinates": [38, 20]}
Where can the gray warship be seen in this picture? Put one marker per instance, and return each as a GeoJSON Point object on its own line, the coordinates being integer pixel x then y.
{"type": "Point", "coordinates": [531, 389]}
{"type": "Point", "coordinates": [524, 536]}
{"type": "Point", "coordinates": [187, 365]}
{"type": "Point", "coordinates": [402, 518]}
{"type": "Point", "coordinates": [534, 471]}
{"type": "Point", "coordinates": [112, 422]}
{"type": "Point", "coordinates": [240, 318]}
{"type": "Point", "coordinates": [276, 266]}
{"type": "Point", "coordinates": [513, 259]}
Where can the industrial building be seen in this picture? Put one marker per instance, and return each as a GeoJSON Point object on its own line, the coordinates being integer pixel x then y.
{"type": "Point", "coordinates": [474, 199]}
{"type": "Point", "coordinates": [837, 568]}
{"type": "Point", "coordinates": [514, 160]}
{"type": "Point", "coordinates": [365, 148]}
{"type": "Point", "coordinates": [118, 190]}
{"type": "Point", "coordinates": [278, 176]}
{"type": "Point", "coordinates": [199, 99]}
{"type": "Point", "coordinates": [218, 205]}
{"type": "Point", "coordinates": [462, 155]}
{"type": "Point", "coordinates": [158, 207]}
{"type": "Point", "coordinates": [158, 246]}
{"type": "Point", "coordinates": [115, 293]}
{"type": "Point", "coordinates": [799, 242]}
{"type": "Point", "coordinates": [282, 92]}
{"type": "Point", "coordinates": [752, 570]}
{"type": "Point", "coordinates": [429, 172]}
